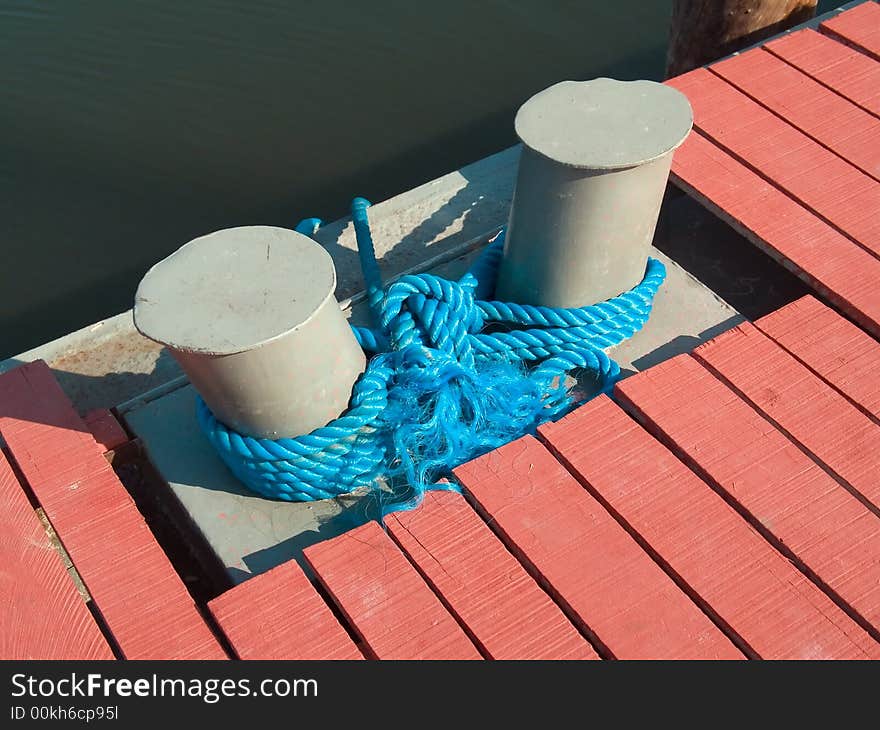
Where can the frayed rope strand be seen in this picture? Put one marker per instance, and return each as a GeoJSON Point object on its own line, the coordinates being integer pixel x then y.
{"type": "Point", "coordinates": [440, 390]}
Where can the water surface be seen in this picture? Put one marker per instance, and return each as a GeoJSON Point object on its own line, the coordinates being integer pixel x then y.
{"type": "Point", "coordinates": [128, 128]}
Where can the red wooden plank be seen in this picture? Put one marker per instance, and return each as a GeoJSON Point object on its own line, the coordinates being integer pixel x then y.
{"type": "Point", "coordinates": [828, 185]}
{"type": "Point", "coordinates": [859, 27]}
{"type": "Point", "coordinates": [828, 118]}
{"type": "Point", "coordinates": [609, 586]}
{"type": "Point", "coordinates": [851, 74]}
{"type": "Point", "coordinates": [44, 616]}
{"type": "Point", "coordinates": [775, 612]}
{"type": "Point", "coordinates": [807, 515]}
{"type": "Point", "coordinates": [385, 600]}
{"type": "Point", "coordinates": [833, 431]}
{"type": "Point", "coordinates": [482, 584]}
{"type": "Point", "coordinates": [106, 430]}
{"type": "Point", "coordinates": [841, 353]}
{"type": "Point", "coordinates": [143, 601]}
{"type": "Point", "coordinates": [279, 615]}
{"type": "Point", "coordinates": [828, 261]}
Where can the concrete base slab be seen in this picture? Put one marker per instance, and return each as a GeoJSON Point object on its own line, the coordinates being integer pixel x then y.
{"type": "Point", "coordinates": [250, 535]}
{"type": "Point", "coordinates": [247, 533]}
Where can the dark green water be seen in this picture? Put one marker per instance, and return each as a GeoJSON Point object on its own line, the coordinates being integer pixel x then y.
{"type": "Point", "coordinates": [129, 127]}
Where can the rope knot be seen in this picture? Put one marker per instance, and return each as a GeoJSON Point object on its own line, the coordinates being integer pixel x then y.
{"type": "Point", "coordinates": [432, 312]}
{"type": "Point", "coordinates": [438, 390]}
{"type": "Point", "coordinates": [418, 360]}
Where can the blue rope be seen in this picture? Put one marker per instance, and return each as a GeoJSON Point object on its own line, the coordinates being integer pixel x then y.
{"type": "Point", "coordinates": [441, 389]}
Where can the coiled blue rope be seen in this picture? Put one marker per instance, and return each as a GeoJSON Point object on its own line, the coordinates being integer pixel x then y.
{"type": "Point", "coordinates": [441, 388]}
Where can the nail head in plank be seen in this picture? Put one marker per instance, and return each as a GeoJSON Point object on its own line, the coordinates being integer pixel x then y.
{"type": "Point", "coordinates": [610, 587]}
{"type": "Point", "coordinates": [800, 508]}
{"type": "Point", "coordinates": [279, 615]}
{"type": "Point", "coordinates": [384, 599]}
{"type": "Point", "coordinates": [482, 583]}
{"type": "Point", "coordinates": [842, 354]}
{"type": "Point", "coordinates": [755, 592]}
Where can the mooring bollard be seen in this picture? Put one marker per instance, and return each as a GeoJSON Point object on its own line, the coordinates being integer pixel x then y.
{"type": "Point", "coordinates": [250, 315]}
{"type": "Point", "coordinates": [594, 165]}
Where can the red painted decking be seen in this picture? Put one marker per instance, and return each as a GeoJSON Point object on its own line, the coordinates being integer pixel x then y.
{"type": "Point", "coordinates": [142, 602]}
{"type": "Point", "coordinates": [786, 147]}
{"type": "Point", "coordinates": [723, 504]}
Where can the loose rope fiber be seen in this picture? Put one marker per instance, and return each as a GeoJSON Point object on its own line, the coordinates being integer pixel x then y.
{"type": "Point", "coordinates": [453, 375]}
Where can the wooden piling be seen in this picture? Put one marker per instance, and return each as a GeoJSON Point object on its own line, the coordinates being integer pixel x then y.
{"type": "Point", "coordinates": [702, 31]}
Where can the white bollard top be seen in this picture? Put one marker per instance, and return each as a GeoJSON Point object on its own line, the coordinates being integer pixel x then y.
{"type": "Point", "coordinates": [604, 124]}
{"type": "Point", "coordinates": [234, 290]}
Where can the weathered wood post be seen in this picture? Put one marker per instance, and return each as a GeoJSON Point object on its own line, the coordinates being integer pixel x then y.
{"type": "Point", "coordinates": [250, 315]}
{"type": "Point", "coordinates": [594, 164]}
{"type": "Point", "coordinates": [702, 31]}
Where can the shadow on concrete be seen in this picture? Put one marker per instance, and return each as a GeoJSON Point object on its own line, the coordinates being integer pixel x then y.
{"type": "Point", "coordinates": [245, 533]}
{"type": "Point", "coordinates": [586, 387]}
{"type": "Point", "coordinates": [356, 511]}
{"type": "Point", "coordinates": [106, 390]}
{"type": "Point", "coordinates": [177, 445]}
{"type": "Point", "coordinates": [420, 228]}
{"type": "Point", "coordinates": [480, 206]}
{"type": "Point", "coordinates": [683, 344]}
{"type": "Point", "coordinates": [728, 264]}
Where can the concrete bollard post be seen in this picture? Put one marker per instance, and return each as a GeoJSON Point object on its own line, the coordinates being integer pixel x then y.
{"type": "Point", "coordinates": [250, 315]}
{"type": "Point", "coordinates": [594, 165]}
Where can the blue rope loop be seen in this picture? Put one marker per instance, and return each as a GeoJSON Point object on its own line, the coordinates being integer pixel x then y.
{"type": "Point", "coordinates": [439, 389]}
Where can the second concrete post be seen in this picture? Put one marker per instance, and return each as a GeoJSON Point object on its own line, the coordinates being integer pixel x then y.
{"type": "Point", "coordinates": [595, 160]}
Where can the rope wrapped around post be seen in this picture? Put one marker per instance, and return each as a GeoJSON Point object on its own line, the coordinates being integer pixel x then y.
{"type": "Point", "coordinates": [454, 375]}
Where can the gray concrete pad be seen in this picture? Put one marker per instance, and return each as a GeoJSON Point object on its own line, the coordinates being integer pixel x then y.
{"type": "Point", "coordinates": [247, 533]}
{"type": "Point", "coordinates": [103, 364]}
{"type": "Point", "coordinates": [250, 535]}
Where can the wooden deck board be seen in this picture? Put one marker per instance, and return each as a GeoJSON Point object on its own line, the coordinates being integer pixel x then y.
{"type": "Point", "coordinates": [771, 608]}
{"type": "Point", "coordinates": [828, 185]}
{"type": "Point", "coordinates": [105, 429]}
{"type": "Point", "coordinates": [385, 600]}
{"type": "Point", "coordinates": [140, 596]}
{"type": "Point", "coordinates": [805, 513]}
{"type": "Point", "coordinates": [845, 70]}
{"type": "Point", "coordinates": [859, 27]}
{"type": "Point", "coordinates": [279, 615]}
{"type": "Point", "coordinates": [44, 616]}
{"type": "Point", "coordinates": [593, 568]}
{"type": "Point", "coordinates": [503, 608]}
{"type": "Point", "coordinates": [834, 433]}
{"type": "Point", "coordinates": [841, 126]}
{"type": "Point", "coordinates": [842, 354]}
{"type": "Point", "coordinates": [828, 261]}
